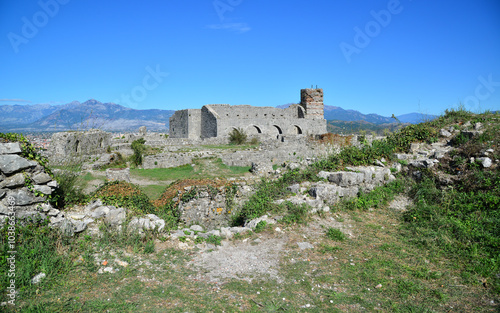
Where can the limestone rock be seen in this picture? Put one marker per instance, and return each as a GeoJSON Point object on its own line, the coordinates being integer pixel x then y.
{"type": "Point", "coordinates": [38, 278]}
{"type": "Point", "coordinates": [115, 217]}
{"type": "Point", "coordinates": [143, 131]}
{"type": "Point", "coordinates": [46, 190]}
{"type": "Point", "coordinates": [41, 178]}
{"type": "Point", "coordinates": [13, 181]}
{"type": "Point", "coordinates": [149, 222]}
{"type": "Point", "coordinates": [253, 223]}
{"type": "Point", "coordinates": [305, 245]}
{"type": "Point", "coordinates": [53, 184]}
{"type": "Point", "coordinates": [196, 228]}
{"type": "Point", "coordinates": [23, 197]}
{"type": "Point", "coordinates": [101, 211]}
{"type": "Point", "coordinates": [444, 133]}
{"type": "Point", "coordinates": [10, 148]}
{"type": "Point", "coordinates": [261, 168]}
{"type": "Point", "coordinates": [12, 163]}
{"type": "Point", "coordinates": [485, 161]}
{"type": "Point", "coordinates": [344, 179]}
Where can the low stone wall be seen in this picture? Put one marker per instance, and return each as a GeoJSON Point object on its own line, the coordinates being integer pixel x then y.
{"type": "Point", "coordinates": [24, 185]}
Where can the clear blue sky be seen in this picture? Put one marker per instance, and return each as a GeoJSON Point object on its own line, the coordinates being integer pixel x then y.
{"type": "Point", "coordinates": [385, 57]}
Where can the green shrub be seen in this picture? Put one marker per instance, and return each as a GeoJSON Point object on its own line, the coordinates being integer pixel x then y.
{"type": "Point", "coordinates": [215, 240]}
{"type": "Point", "coordinates": [260, 226]}
{"type": "Point", "coordinates": [335, 234]}
{"type": "Point", "coordinates": [296, 214]}
{"type": "Point", "coordinates": [68, 192]}
{"type": "Point", "coordinates": [237, 136]}
{"type": "Point", "coordinates": [138, 147]}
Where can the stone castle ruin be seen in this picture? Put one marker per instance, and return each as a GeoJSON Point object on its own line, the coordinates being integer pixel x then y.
{"type": "Point", "coordinates": [218, 120]}
{"type": "Point", "coordinates": [70, 144]}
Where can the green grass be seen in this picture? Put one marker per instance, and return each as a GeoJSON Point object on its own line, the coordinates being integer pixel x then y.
{"type": "Point", "coordinates": [153, 191]}
{"type": "Point", "coordinates": [174, 173]}
{"type": "Point", "coordinates": [335, 234]}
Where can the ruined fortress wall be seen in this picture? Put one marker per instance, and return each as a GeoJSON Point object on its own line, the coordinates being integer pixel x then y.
{"type": "Point", "coordinates": [186, 124]}
{"type": "Point", "coordinates": [262, 121]}
{"type": "Point", "coordinates": [218, 120]}
{"type": "Point", "coordinates": [209, 122]}
{"type": "Point", "coordinates": [71, 144]}
{"type": "Point", "coordinates": [312, 101]}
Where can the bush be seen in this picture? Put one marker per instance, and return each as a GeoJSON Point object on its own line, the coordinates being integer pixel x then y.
{"type": "Point", "coordinates": [139, 148]}
{"type": "Point", "coordinates": [237, 136]}
{"type": "Point", "coordinates": [260, 226]}
{"type": "Point", "coordinates": [67, 193]}
{"type": "Point", "coordinates": [122, 194]}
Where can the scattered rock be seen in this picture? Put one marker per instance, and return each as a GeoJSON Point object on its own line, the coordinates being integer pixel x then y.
{"type": "Point", "coordinates": [444, 133]}
{"type": "Point", "coordinates": [261, 168]}
{"type": "Point", "coordinates": [305, 245]}
{"type": "Point", "coordinates": [38, 278]}
{"type": "Point", "coordinates": [485, 162]}
{"type": "Point", "coordinates": [196, 228]}
{"type": "Point", "coordinates": [115, 217]}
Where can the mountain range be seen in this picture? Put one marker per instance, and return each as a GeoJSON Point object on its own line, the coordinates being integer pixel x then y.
{"type": "Point", "coordinates": [80, 116]}
{"type": "Point", "coordinates": [114, 117]}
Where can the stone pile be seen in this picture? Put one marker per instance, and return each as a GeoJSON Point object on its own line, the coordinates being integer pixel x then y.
{"type": "Point", "coordinates": [89, 217]}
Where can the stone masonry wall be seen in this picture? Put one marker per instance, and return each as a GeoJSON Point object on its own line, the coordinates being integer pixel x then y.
{"type": "Point", "coordinates": [218, 120]}
{"type": "Point", "coordinates": [22, 183]}
{"type": "Point", "coordinates": [74, 144]}
{"type": "Point", "coordinates": [312, 101]}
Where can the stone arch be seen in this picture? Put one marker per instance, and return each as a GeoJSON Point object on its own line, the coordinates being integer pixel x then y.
{"type": "Point", "coordinates": [298, 130]}
{"type": "Point", "coordinates": [101, 143]}
{"type": "Point", "coordinates": [280, 132]}
{"type": "Point", "coordinates": [254, 129]}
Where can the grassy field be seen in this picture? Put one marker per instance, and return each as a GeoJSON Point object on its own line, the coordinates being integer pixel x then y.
{"type": "Point", "coordinates": [376, 268]}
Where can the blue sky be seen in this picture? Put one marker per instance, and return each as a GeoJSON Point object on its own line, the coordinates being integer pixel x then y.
{"type": "Point", "coordinates": [384, 57]}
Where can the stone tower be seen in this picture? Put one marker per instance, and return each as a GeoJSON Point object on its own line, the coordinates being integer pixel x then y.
{"type": "Point", "coordinates": [312, 102]}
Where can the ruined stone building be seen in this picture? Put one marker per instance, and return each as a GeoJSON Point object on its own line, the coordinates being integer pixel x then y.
{"type": "Point", "coordinates": [218, 120]}
{"type": "Point", "coordinates": [73, 143]}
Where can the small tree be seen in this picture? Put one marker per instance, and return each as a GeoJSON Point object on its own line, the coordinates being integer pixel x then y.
{"type": "Point", "coordinates": [139, 148]}
{"type": "Point", "coordinates": [237, 136]}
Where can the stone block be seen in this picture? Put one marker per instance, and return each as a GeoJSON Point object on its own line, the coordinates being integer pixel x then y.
{"type": "Point", "coordinates": [344, 179]}
{"type": "Point", "coordinates": [12, 163]}
{"type": "Point", "coordinates": [41, 178]}
{"type": "Point", "coordinates": [10, 148]}
{"type": "Point", "coordinates": [115, 217]}
{"type": "Point", "coordinates": [13, 181]}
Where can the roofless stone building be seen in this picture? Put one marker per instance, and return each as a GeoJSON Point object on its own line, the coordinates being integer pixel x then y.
{"type": "Point", "coordinates": [218, 120]}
